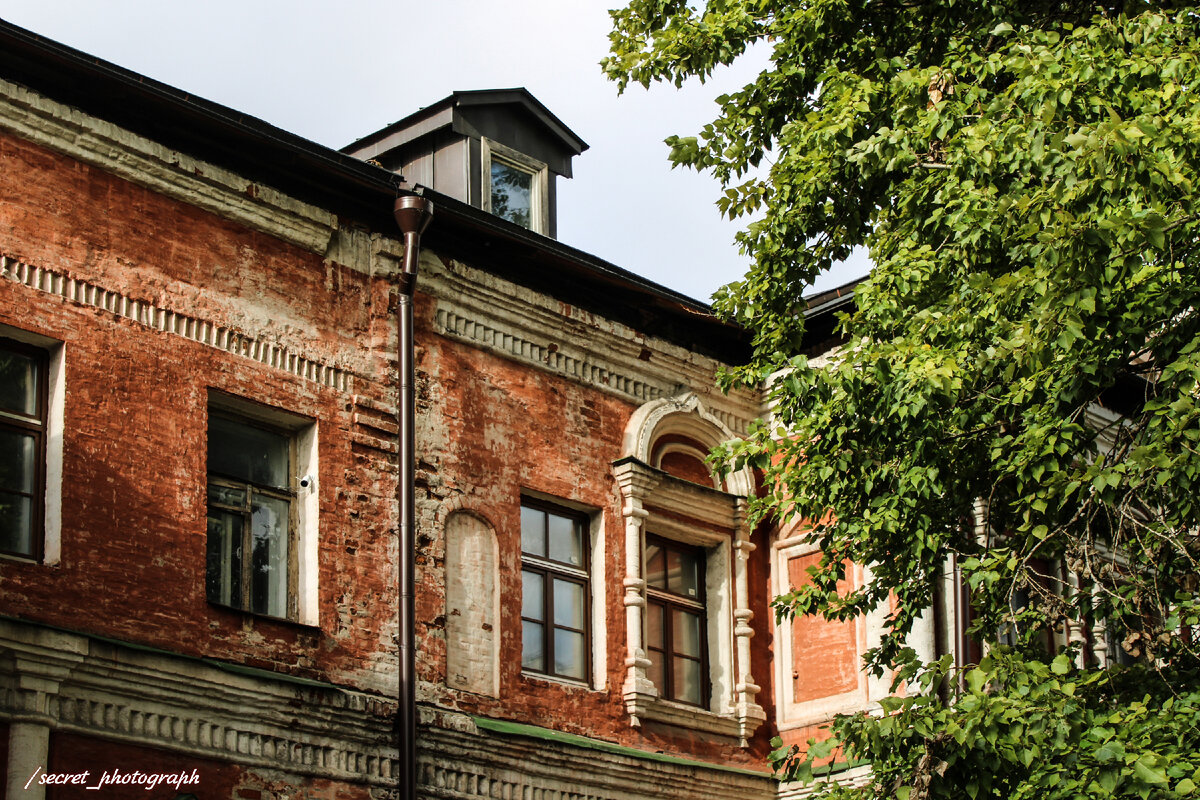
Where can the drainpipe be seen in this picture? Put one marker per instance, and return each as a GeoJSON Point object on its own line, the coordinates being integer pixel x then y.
{"type": "Point", "coordinates": [413, 214]}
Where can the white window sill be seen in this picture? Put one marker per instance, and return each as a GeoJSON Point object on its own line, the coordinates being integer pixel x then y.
{"type": "Point", "coordinates": [648, 707]}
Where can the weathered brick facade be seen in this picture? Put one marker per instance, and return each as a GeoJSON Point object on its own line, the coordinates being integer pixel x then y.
{"type": "Point", "coordinates": [173, 267]}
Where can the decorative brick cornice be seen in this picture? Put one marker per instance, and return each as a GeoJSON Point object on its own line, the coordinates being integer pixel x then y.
{"type": "Point", "coordinates": [492, 314]}
{"type": "Point", "coordinates": [177, 175]}
{"type": "Point", "coordinates": [491, 334]}
{"type": "Point", "coordinates": [143, 312]}
{"type": "Point", "coordinates": [458, 760]}
{"type": "Point", "coordinates": [185, 705]}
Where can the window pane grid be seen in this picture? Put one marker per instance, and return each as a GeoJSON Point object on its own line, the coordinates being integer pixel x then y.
{"type": "Point", "coordinates": [555, 603]}
{"type": "Point", "coordinates": [252, 536]}
{"type": "Point", "coordinates": [512, 192]}
{"type": "Point", "coordinates": [676, 640]}
{"type": "Point", "coordinates": [23, 403]}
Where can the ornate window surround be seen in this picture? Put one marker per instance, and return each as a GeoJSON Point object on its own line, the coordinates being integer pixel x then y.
{"type": "Point", "coordinates": [661, 503]}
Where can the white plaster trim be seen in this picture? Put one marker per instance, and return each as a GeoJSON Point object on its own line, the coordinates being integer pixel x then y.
{"type": "Point", "coordinates": [822, 710]}
{"type": "Point", "coordinates": [684, 716]}
{"type": "Point", "coordinates": [855, 777]}
{"type": "Point", "coordinates": [75, 683]}
{"type": "Point", "coordinates": [55, 436]}
{"type": "Point", "coordinates": [733, 709]}
{"type": "Point", "coordinates": [790, 713]}
{"type": "Point", "coordinates": [685, 415]}
{"type": "Point", "coordinates": [176, 175]}
{"type": "Point", "coordinates": [517, 323]}
{"type": "Point", "coordinates": [458, 760]}
{"type": "Point", "coordinates": [148, 314]}
{"type": "Point", "coordinates": [308, 520]}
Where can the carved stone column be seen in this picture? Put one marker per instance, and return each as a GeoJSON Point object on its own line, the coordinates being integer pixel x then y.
{"type": "Point", "coordinates": [750, 715]}
{"type": "Point", "coordinates": [634, 484]}
{"type": "Point", "coordinates": [1076, 635]}
{"type": "Point", "coordinates": [34, 664]}
{"type": "Point", "coordinates": [875, 620]}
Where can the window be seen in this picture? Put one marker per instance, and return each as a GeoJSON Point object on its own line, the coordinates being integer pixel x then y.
{"type": "Point", "coordinates": [515, 186]}
{"type": "Point", "coordinates": [23, 429]}
{"type": "Point", "coordinates": [687, 597]}
{"type": "Point", "coordinates": [555, 591]}
{"type": "Point", "coordinates": [254, 552]}
{"type": "Point", "coordinates": [676, 621]}
{"type": "Point", "coordinates": [512, 193]}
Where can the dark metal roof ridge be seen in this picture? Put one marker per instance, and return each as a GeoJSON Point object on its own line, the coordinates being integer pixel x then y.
{"type": "Point", "coordinates": [511, 230]}
{"type": "Point", "coordinates": [831, 299]}
{"type": "Point", "coordinates": [353, 190]}
{"type": "Point", "coordinates": [249, 125]}
{"type": "Point", "coordinates": [403, 122]}
{"type": "Point", "coordinates": [524, 96]}
{"type": "Point", "coordinates": [471, 97]}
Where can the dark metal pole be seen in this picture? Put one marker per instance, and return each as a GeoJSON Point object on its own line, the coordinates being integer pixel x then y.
{"type": "Point", "coordinates": [413, 214]}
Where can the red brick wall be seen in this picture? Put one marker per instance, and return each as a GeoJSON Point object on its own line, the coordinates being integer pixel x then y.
{"type": "Point", "coordinates": [492, 428]}
{"type": "Point", "coordinates": [133, 539]}
{"type": "Point", "coordinates": [134, 461]}
{"type": "Point", "coordinates": [825, 653]}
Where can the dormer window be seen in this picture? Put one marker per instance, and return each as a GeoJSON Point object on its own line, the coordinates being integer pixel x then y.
{"type": "Point", "coordinates": [516, 188]}
{"type": "Point", "coordinates": [498, 150]}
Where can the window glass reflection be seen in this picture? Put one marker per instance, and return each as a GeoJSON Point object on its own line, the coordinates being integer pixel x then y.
{"type": "Point", "coordinates": [689, 687]}
{"type": "Point", "coordinates": [568, 604]}
{"type": "Point", "coordinates": [512, 192]}
{"type": "Point", "coordinates": [685, 629]}
{"type": "Point", "coordinates": [533, 531]}
{"type": "Point", "coordinates": [18, 383]}
{"type": "Point", "coordinates": [656, 566]}
{"type": "Point", "coordinates": [533, 602]}
{"type": "Point", "coordinates": [683, 573]}
{"type": "Point", "coordinates": [241, 451]}
{"type": "Point", "coordinates": [532, 647]}
{"type": "Point", "coordinates": [566, 540]}
{"type": "Point", "coordinates": [568, 653]}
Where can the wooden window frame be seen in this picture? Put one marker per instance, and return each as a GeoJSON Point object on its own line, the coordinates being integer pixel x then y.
{"type": "Point", "coordinates": [37, 426]}
{"type": "Point", "coordinates": [668, 601]}
{"type": "Point", "coordinates": [539, 191]}
{"type": "Point", "coordinates": [290, 495]}
{"type": "Point", "coordinates": [549, 570]}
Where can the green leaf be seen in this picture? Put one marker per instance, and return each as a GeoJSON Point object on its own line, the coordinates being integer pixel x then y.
{"type": "Point", "coordinates": [1146, 772]}
{"type": "Point", "coordinates": [1013, 390]}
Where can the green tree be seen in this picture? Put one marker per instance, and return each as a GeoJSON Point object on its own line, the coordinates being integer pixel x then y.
{"type": "Point", "coordinates": [1019, 385]}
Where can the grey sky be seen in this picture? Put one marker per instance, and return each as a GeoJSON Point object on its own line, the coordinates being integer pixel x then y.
{"type": "Point", "coordinates": [333, 73]}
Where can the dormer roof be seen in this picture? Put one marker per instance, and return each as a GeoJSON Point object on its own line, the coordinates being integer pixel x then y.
{"type": "Point", "coordinates": [489, 113]}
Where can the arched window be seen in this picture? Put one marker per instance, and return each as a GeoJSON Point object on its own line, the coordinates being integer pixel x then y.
{"type": "Point", "coordinates": [687, 615]}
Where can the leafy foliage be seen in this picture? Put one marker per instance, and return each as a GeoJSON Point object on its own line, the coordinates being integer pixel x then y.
{"type": "Point", "coordinates": [1018, 389]}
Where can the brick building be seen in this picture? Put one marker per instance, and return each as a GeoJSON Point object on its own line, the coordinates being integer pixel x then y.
{"type": "Point", "coordinates": [199, 470]}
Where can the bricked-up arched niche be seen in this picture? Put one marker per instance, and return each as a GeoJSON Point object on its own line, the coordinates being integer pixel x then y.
{"type": "Point", "coordinates": [675, 434]}
{"type": "Point", "coordinates": [472, 605]}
